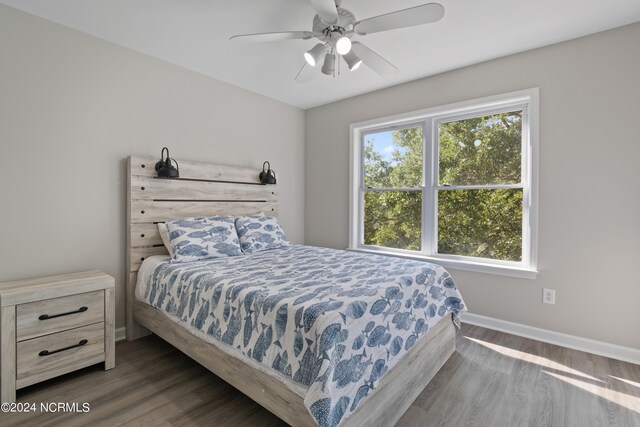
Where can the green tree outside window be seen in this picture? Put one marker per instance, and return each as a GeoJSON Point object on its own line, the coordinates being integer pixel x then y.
{"type": "Point", "coordinates": [478, 222]}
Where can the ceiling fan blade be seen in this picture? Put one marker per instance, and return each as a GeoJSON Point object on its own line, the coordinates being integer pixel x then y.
{"type": "Point", "coordinates": [305, 74]}
{"type": "Point", "coordinates": [327, 11]}
{"type": "Point", "coordinates": [425, 14]}
{"type": "Point", "coordinates": [272, 37]}
{"type": "Point", "coordinates": [374, 61]}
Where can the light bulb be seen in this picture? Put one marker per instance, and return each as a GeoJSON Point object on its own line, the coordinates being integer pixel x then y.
{"type": "Point", "coordinates": [309, 59]}
{"type": "Point", "coordinates": [313, 56]}
{"type": "Point", "coordinates": [353, 61]}
{"type": "Point", "coordinates": [343, 45]}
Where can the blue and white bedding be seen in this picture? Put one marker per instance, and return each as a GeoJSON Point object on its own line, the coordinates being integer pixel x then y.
{"type": "Point", "coordinates": [333, 321]}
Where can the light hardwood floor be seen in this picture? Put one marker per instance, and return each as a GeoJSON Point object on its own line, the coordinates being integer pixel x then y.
{"type": "Point", "coordinates": [494, 379]}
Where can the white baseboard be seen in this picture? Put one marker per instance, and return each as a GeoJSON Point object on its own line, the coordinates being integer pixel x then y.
{"type": "Point", "coordinates": [626, 354]}
{"type": "Point", "coordinates": [121, 334]}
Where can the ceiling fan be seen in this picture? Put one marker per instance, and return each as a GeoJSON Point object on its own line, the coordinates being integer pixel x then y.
{"type": "Point", "coordinates": [334, 27]}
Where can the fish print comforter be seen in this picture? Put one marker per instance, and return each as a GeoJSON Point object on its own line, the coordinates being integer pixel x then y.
{"type": "Point", "coordinates": [334, 321]}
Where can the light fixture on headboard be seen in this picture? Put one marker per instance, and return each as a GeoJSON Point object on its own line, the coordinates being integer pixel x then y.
{"type": "Point", "coordinates": [267, 176]}
{"type": "Point", "coordinates": [165, 168]}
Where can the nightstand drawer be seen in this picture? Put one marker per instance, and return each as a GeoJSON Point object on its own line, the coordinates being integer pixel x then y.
{"type": "Point", "coordinates": [48, 356]}
{"type": "Point", "coordinates": [46, 317]}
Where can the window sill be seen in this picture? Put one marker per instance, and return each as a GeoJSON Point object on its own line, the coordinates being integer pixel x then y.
{"type": "Point", "coordinates": [478, 267]}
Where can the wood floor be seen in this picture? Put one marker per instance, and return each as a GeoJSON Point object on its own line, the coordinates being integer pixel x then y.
{"type": "Point", "coordinates": [494, 379]}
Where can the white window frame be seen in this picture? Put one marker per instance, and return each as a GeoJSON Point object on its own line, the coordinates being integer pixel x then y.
{"type": "Point", "coordinates": [428, 119]}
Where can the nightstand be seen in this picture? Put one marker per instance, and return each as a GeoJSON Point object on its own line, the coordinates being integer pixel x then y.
{"type": "Point", "coordinates": [50, 326]}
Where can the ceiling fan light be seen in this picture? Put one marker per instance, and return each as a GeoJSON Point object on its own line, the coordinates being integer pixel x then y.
{"type": "Point", "coordinates": [343, 45]}
{"type": "Point", "coordinates": [309, 58]}
{"type": "Point", "coordinates": [329, 66]}
{"type": "Point", "coordinates": [353, 61]}
{"type": "Point", "coordinates": [313, 56]}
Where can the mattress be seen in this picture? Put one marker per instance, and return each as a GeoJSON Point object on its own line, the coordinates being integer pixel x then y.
{"type": "Point", "coordinates": [332, 321]}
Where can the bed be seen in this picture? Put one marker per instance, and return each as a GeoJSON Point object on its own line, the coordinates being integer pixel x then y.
{"type": "Point", "coordinates": [316, 336]}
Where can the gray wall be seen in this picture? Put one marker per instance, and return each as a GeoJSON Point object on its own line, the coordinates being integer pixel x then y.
{"type": "Point", "coordinates": [589, 239]}
{"type": "Point", "coordinates": [73, 107]}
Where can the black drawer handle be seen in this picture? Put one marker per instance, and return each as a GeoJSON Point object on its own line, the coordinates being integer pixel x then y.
{"type": "Point", "coordinates": [49, 353]}
{"type": "Point", "coordinates": [53, 316]}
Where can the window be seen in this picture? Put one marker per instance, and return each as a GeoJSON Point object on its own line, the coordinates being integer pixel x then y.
{"type": "Point", "coordinates": [453, 184]}
{"type": "Point", "coordinates": [393, 193]}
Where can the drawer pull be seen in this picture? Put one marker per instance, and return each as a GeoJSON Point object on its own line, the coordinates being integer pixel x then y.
{"type": "Point", "coordinates": [53, 316]}
{"type": "Point", "coordinates": [49, 353]}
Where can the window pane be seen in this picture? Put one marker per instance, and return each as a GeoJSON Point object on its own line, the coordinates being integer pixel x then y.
{"type": "Point", "coordinates": [393, 159]}
{"type": "Point", "coordinates": [481, 223]}
{"type": "Point", "coordinates": [392, 219]}
{"type": "Point", "coordinates": [481, 150]}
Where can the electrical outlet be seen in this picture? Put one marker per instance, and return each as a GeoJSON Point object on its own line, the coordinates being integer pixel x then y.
{"type": "Point", "coordinates": [549, 296]}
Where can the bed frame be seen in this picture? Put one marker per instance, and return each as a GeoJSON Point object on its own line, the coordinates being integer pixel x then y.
{"type": "Point", "coordinates": [208, 189]}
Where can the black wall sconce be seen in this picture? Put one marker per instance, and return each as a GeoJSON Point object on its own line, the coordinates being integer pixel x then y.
{"type": "Point", "coordinates": [165, 168]}
{"type": "Point", "coordinates": [267, 176]}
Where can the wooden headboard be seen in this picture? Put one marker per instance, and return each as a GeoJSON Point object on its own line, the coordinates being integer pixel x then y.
{"type": "Point", "coordinates": [203, 189]}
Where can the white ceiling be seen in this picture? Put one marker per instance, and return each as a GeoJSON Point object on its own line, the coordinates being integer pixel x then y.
{"type": "Point", "coordinates": [195, 35]}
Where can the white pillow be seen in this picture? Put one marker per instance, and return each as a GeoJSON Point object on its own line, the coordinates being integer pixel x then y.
{"type": "Point", "coordinates": [194, 239]}
{"type": "Point", "coordinates": [259, 233]}
{"type": "Point", "coordinates": [164, 235]}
